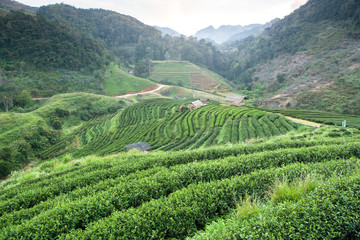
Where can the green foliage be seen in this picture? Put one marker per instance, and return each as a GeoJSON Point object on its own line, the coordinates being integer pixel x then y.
{"type": "Point", "coordinates": [143, 68]}
{"type": "Point", "coordinates": [24, 135]}
{"type": "Point", "coordinates": [118, 82]}
{"type": "Point", "coordinates": [155, 122]}
{"type": "Point", "coordinates": [285, 191]}
{"type": "Point", "coordinates": [24, 98]}
{"type": "Point", "coordinates": [47, 44]}
{"type": "Point", "coordinates": [352, 121]}
{"type": "Point", "coordinates": [248, 208]}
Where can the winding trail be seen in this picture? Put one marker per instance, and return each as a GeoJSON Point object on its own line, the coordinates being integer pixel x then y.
{"type": "Point", "coordinates": [158, 87]}
{"type": "Point", "coordinates": [302, 121]}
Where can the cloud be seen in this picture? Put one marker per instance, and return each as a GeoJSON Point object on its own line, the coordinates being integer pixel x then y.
{"type": "Point", "coordinates": [188, 16]}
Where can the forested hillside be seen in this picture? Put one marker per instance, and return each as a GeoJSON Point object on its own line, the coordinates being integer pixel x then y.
{"type": "Point", "coordinates": [47, 44]}
{"type": "Point", "coordinates": [24, 135]}
{"type": "Point", "coordinates": [309, 55]}
{"type": "Point", "coordinates": [16, 6]}
{"type": "Point", "coordinates": [132, 40]}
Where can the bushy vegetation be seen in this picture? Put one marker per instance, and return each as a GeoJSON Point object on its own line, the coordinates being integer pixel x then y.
{"type": "Point", "coordinates": [160, 123]}
{"type": "Point", "coordinates": [24, 135]}
{"type": "Point", "coordinates": [47, 44]}
{"type": "Point", "coordinates": [162, 195]}
{"type": "Point", "coordinates": [328, 211]}
{"type": "Point", "coordinates": [321, 117]}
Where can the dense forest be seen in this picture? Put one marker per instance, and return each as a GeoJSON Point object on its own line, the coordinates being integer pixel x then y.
{"type": "Point", "coordinates": [47, 44]}
{"type": "Point", "coordinates": [132, 40]}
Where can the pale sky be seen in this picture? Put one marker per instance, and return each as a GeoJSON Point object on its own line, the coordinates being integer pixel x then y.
{"type": "Point", "coordinates": [189, 16]}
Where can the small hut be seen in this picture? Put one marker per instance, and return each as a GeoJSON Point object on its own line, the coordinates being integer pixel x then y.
{"type": "Point", "coordinates": [195, 105]}
{"type": "Point", "coordinates": [141, 146]}
{"type": "Point", "coordinates": [235, 99]}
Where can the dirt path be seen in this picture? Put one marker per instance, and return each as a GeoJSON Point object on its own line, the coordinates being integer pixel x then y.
{"type": "Point", "coordinates": [39, 98]}
{"type": "Point", "coordinates": [302, 121]}
{"type": "Point", "coordinates": [159, 86]}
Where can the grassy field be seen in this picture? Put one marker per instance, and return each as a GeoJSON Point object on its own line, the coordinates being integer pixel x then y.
{"type": "Point", "coordinates": [118, 82]}
{"type": "Point", "coordinates": [186, 93]}
{"type": "Point", "coordinates": [186, 74]}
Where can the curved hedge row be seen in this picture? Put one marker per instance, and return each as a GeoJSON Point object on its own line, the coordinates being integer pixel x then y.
{"type": "Point", "coordinates": [163, 125]}
{"type": "Point", "coordinates": [329, 212]}
{"type": "Point", "coordinates": [146, 186]}
{"type": "Point", "coordinates": [71, 213]}
{"type": "Point", "coordinates": [185, 211]}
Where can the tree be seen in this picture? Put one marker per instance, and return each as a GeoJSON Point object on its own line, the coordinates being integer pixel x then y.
{"type": "Point", "coordinates": [143, 68]}
{"type": "Point", "coordinates": [24, 98]}
{"type": "Point", "coordinates": [6, 100]}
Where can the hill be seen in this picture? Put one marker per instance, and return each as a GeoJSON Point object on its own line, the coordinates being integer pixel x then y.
{"type": "Point", "coordinates": [297, 60]}
{"type": "Point", "coordinates": [162, 124]}
{"type": "Point", "coordinates": [119, 82]}
{"type": "Point", "coordinates": [24, 135]}
{"type": "Point", "coordinates": [118, 32]}
{"type": "Point", "coordinates": [168, 31]}
{"type": "Point", "coordinates": [47, 44]}
{"type": "Point", "coordinates": [177, 194]}
{"type": "Point", "coordinates": [188, 75]}
{"type": "Point", "coordinates": [9, 5]}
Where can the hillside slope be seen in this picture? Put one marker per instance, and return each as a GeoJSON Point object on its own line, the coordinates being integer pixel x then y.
{"type": "Point", "coordinates": [119, 33]}
{"type": "Point", "coordinates": [165, 126]}
{"type": "Point", "coordinates": [175, 194]}
{"type": "Point", "coordinates": [309, 59]}
{"type": "Point", "coordinates": [24, 135]}
{"type": "Point", "coordinates": [47, 44]}
{"type": "Point", "coordinates": [186, 74]}
{"type": "Point", "coordinates": [16, 6]}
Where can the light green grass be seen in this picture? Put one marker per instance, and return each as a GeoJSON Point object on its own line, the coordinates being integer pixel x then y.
{"type": "Point", "coordinates": [181, 73]}
{"type": "Point", "coordinates": [15, 126]}
{"type": "Point", "coordinates": [118, 82]}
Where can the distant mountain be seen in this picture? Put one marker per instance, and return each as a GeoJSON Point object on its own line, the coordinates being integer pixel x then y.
{"type": "Point", "coordinates": [228, 32]}
{"type": "Point", "coordinates": [16, 6]}
{"type": "Point", "coordinates": [309, 59]}
{"type": "Point", "coordinates": [256, 30]}
{"type": "Point", "coordinates": [168, 31]}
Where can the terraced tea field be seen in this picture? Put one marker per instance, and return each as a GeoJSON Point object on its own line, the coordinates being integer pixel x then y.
{"type": "Point", "coordinates": [160, 123]}
{"type": "Point", "coordinates": [321, 117]}
{"type": "Point", "coordinates": [163, 195]}
{"type": "Point", "coordinates": [186, 74]}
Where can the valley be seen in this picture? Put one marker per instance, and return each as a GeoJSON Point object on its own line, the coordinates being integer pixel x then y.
{"type": "Point", "coordinates": [114, 129]}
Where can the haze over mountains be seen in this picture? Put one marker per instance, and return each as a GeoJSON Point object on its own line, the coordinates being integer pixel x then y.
{"type": "Point", "coordinates": [227, 33]}
{"type": "Point", "coordinates": [168, 31]}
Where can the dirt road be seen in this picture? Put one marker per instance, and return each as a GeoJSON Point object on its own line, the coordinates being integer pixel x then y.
{"type": "Point", "coordinates": [158, 87]}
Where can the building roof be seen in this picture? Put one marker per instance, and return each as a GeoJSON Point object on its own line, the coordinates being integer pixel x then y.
{"type": "Point", "coordinates": [235, 98]}
{"type": "Point", "coordinates": [141, 146]}
{"type": "Point", "coordinates": [198, 103]}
